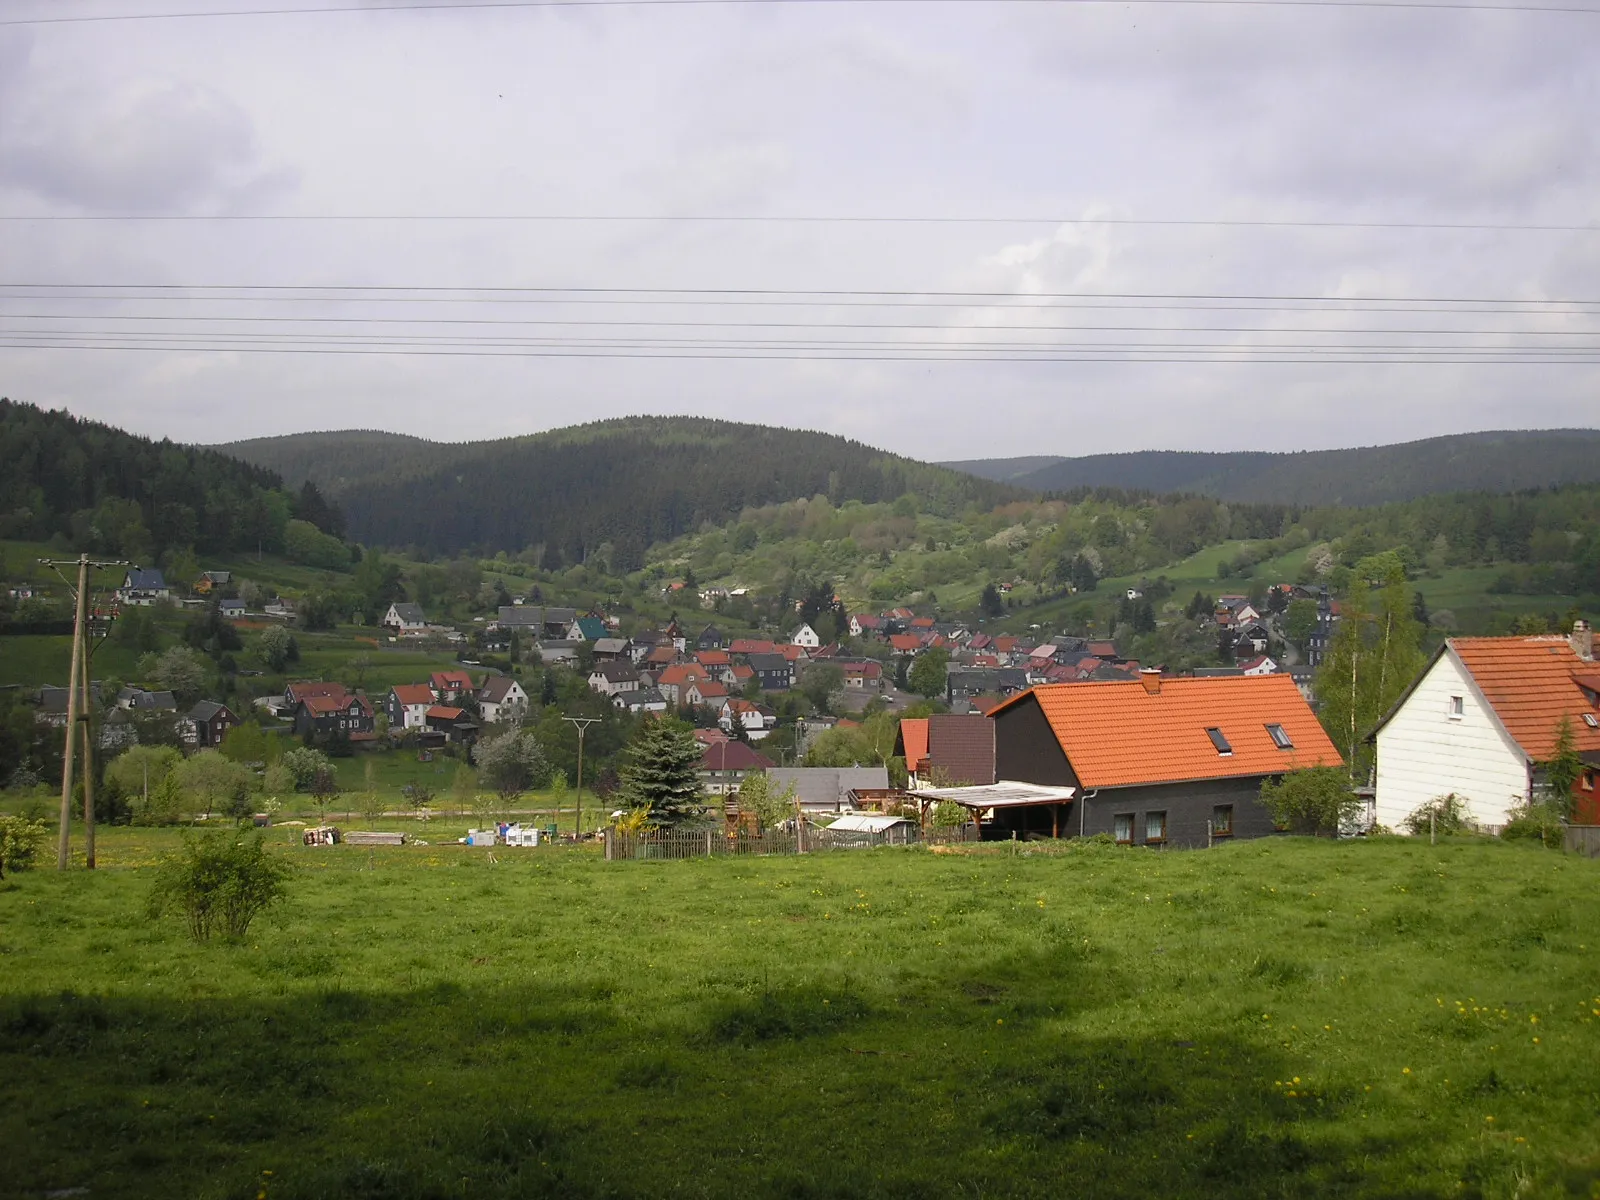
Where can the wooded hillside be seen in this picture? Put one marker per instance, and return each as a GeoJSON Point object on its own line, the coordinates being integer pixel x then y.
{"type": "Point", "coordinates": [608, 489]}
{"type": "Point", "coordinates": [112, 492]}
{"type": "Point", "coordinates": [1469, 462]}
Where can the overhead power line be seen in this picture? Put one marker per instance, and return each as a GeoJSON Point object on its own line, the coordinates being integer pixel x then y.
{"type": "Point", "coordinates": [826, 219]}
{"type": "Point", "coordinates": [374, 6]}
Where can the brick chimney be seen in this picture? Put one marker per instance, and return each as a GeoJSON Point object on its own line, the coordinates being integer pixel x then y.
{"type": "Point", "coordinates": [1581, 639]}
{"type": "Point", "coordinates": [1150, 677]}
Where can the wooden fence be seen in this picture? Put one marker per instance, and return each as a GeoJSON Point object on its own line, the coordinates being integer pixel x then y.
{"type": "Point", "coordinates": [674, 844]}
{"type": "Point", "coordinates": [1584, 839]}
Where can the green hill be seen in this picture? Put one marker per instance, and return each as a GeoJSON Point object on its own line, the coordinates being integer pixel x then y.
{"type": "Point", "coordinates": [1504, 461]}
{"type": "Point", "coordinates": [611, 488]}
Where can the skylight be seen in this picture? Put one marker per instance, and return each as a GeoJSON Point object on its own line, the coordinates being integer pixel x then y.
{"type": "Point", "coordinates": [1220, 742]}
{"type": "Point", "coordinates": [1280, 737]}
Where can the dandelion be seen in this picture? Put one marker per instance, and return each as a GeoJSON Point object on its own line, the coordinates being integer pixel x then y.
{"type": "Point", "coordinates": [1535, 1041]}
{"type": "Point", "coordinates": [1405, 1070]}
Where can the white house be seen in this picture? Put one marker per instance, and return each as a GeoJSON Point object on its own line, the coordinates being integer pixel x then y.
{"type": "Point", "coordinates": [405, 620]}
{"type": "Point", "coordinates": [500, 697]}
{"type": "Point", "coordinates": [757, 721]}
{"type": "Point", "coordinates": [1262, 664]}
{"type": "Point", "coordinates": [1482, 717]}
{"type": "Point", "coordinates": [805, 636]}
{"type": "Point", "coordinates": [408, 705]}
{"type": "Point", "coordinates": [143, 587]}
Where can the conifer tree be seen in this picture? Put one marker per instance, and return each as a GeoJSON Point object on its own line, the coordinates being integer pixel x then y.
{"type": "Point", "coordinates": [661, 774]}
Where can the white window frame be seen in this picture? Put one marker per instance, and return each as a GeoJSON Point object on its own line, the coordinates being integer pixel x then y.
{"type": "Point", "coordinates": [1456, 709]}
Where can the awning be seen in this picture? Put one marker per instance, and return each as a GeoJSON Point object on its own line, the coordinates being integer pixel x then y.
{"type": "Point", "coordinates": [1005, 794]}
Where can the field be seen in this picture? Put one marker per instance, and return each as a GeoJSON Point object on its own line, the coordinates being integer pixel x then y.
{"type": "Point", "coordinates": [1279, 1018]}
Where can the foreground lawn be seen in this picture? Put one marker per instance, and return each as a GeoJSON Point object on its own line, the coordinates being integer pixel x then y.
{"type": "Point", "coordinates": [1280, 1018]}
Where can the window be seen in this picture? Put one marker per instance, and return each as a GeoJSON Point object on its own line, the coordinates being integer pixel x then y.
{"type": "Point", "coordinates": [1592, 721]}
{"type": "Point", "coordinates": [1220, 742]}
{"type": "Point", "coordinates": [1456, 708]}
{"type": "Point", "coordinates": [1124, 828]}
{"type": "Point", "coordinates": [1222, 821]}
{"type": "Point", "coordinates": [1155, 827]}
{"type": "Point", "coordinates": [1586, 781]}
{"type": "Point", "coordinates": [1280, 737]}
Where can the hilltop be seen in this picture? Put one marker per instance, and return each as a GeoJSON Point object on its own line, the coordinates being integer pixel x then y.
{"type": "Point", "coordinates": [1499, 461]}
{"type": "Point", "coordinates": [609, 489]}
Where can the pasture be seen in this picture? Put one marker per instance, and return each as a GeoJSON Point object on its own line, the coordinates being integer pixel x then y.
{"type": "Point", "coordinates": [1276, 1018]}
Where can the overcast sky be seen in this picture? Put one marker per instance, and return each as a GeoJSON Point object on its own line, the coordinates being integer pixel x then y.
{"type": "Point", "coordinates": [1092, 117]}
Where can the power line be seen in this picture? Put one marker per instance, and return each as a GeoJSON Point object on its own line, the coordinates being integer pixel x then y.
{"type": "Point", "coordinates": [467, 5]}
{"type": "Point", "coordinates": [781, 219]}
{"type": "Point", "coordinates": [906, 325]}
{"type": "Point", "coordinates": [822, 293]}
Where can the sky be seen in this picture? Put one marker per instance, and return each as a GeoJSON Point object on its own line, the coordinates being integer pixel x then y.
{"type": "Point", "coordinates": [1063, 251]}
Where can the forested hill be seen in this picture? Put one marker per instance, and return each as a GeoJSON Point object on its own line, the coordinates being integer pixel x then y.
{"type": "Point", "coordinates": [111, 492]}
{"type": "Point", "coordinates": [1468, 462]}
{"type": "Point", "coordinates": [611, 487]}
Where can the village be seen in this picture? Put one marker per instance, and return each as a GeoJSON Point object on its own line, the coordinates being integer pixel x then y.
{"type": "Point", "coordinates": [992, 735]}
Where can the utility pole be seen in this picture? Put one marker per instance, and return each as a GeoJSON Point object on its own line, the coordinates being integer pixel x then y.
{"type": "Point", "coordinates": [582, 725]}
{"type": "Point", "coordinates": [80, 708]}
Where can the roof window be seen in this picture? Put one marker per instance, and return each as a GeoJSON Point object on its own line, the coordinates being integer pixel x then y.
{"type": "Point", "coordinates": [1220, 742]}
{"type": "Point", "coordinates": [1591, 720]}
{"type": "Point", "coordinates": [1280, 737]}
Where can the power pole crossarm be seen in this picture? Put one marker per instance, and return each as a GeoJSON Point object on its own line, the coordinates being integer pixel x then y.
{"type": "Point", "coordinates": [582, 725]}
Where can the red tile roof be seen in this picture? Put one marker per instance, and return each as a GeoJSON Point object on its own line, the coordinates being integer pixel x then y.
{"type": "Point", "coordinates": [413, 693]}
{"type": "Point", "coordinates": [712, 658]}
{"type": "Point", "coordinates": [452, 681]}
{"type": "Point", "coordinates": [914, 738]}
{"type": "Point", "coordinates": [750, 646]}
{"type": "Point", "coordinates": [1116, 733]}
{"type": "Point", "coordinates": [733, 756]}
{"type": "Point", "coordinates": [302, 690]}
{"type": "Point", "coordinates": [444, 712]}
{"type": "Point", "coordinates": [1531, 683]}
{"type": "Point", "coordinates": [710, 690]}
{"type": "Point", "coordinates": [962, 746]}
{"type": "Point", "coordinates": [905, 642]}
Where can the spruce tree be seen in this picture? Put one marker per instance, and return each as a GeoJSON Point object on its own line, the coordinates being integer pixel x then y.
{"type": "Point", "coordinates": [661, 774]}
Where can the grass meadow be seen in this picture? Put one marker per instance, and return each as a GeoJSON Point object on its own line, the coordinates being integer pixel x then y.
{"type": "Point", "coordinates": [1274, 1018]}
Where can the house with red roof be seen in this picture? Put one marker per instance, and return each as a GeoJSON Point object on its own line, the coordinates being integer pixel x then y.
{"type": "Point", "coordinates": [450, 687]}
{"type": "Point", "coordinates": [407, 705]}
{"type": "Point", "coordinates": [957, 750]}
{"type": "Point", "coordinates": [674, 682]}
{"type": "Point", "coordinates": [905, 643]}
{"type": "Point", "coordinates": [452, 723]}
{"type": "Point", "coordinates": [1483, 718]}
{"type": "Point", "coordinates": [1153, 761]}
{"type": "Point", "coordinates": [723, 765]}
{"type": "Point", "coordinates": [756, 720]}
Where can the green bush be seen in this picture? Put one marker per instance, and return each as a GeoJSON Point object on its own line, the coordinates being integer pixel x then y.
{"type": "Point", "coordinates": [20, 840]}
{"type": "Point", "coordinates": [220, 882]}
{"type": "Point", "coordinates": [1443, 815]}
{"type": "Point", "coordinates": [1537, 822]}
{"type": "Point", "coordinates": [1315, 800]}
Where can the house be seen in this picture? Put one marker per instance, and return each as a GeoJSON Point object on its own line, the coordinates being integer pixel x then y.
{"type": "Point", "coordinates": [135, 699]}
{"type": "Point", "coordinates": [723, 765]}
{"type": "Point", "coordinates": [231, 610]}
{"type": "Point", "coordinates": [805, 636]}
{"type": "Point", "coordinates": [1153, 761]}
{"type": "Point", "coordinates": [1261, 664]}
{"type": "Point", "coordinates": [614, 677]}
{"type": "Point", "coordinates": [757, 720]}
{"type": "Point", "coordinates": [610, 649]}
{"type": "Point", "coordinates": [279, 608]}
{"type": "Point", "coordinates": [711, 638]}
{"type": "Point", "coordinates": [956, 750]}
{"type": "Point", "coordinates": [965, 684]}
{"type": "Point", "coordinates": [450, 686]}
{"type": "Point", "coordinates": [143, 587]}
{"type": "Point", "coordinates": [344, 714]}
{"type": "Point", "coordinates": [862, 625]}
{"type": "Point", "coordinates": [906, 643]}
{"type": "Point", "coordinates": [1482, 718]}
{"type": "Point", "coordinates": [211, 581]}
{"type": "Point", "coordinates": [830, 789]}
{"type": "Point", "coordinates": [407, 705]}
{"type": "Point", "coordinates": [52, 703]}
{"type": "Point", "coordinates": [640, 700]}
{"type": "Point", "coordinates": [861, 673]}
{"type": "Point", "coordinates": [454, 723]}
{"type": "Point", "coordinates": [1252, 635]}
{"type": "Point", "coordinates": [749, 646]}
{"type": "Point", "coordinates": [675, 680]}
{"type": "Point", "coordinates": [538, 621]}
{"type": "Point", "coordinates": [206, 724]}
{"type": "Point", "coordinates": [588, 629]}
{"type": "Point", "coordinates": [501, 698]}
{"type": "Point", "coordinates": [405, 620]}
{"type": "Point", "coordinates": [705, 691]}
{"type": "Point", "coordinates": [775, 672]}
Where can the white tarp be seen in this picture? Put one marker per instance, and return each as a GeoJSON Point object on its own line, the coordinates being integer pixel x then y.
{"type": "Point", "coordinates": [1007, 793]}
{"type": "Point", "coordinates": [866, 823]}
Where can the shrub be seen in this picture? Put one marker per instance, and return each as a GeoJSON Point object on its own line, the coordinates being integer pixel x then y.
{"type": "Point", "coordinates": [1445, 814]}
{"type": "Point", "coordinates": [947, 814]}
{"type": "Point", "coordinates": [1315, 800]}
{"type": "Point", "coordinates": [1537, 822]}
{"type": "Point", "coordinates": [20, 840]}
{"type": "Point", "coordinates": [221, 882]}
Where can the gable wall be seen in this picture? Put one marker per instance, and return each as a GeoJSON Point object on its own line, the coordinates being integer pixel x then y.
{"type": "Point", "coordinates": [1422, 753]}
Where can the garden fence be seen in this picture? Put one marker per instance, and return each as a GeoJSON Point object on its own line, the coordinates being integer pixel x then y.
{"type": "Point", "coordinates": [708, 843]}
{"type": "Point", "coordinates": [1585, 839]}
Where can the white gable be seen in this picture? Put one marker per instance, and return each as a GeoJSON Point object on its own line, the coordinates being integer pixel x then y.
{"type": "Point", "coordinates": [1426, 750]}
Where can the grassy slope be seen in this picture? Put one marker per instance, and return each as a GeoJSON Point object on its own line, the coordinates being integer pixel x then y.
{"type": "Point", "coordinates": [1271, 1019]}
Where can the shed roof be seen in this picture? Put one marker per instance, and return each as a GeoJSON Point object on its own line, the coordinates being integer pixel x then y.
{"type": "Point", "coordinates": [1008, 793]}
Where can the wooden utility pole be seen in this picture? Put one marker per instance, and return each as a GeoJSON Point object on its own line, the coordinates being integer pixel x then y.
{"type": "Point", "coordinates": [79, 737]}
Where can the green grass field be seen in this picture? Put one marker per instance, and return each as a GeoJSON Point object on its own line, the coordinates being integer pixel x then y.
{"type": "Point", "coordinates": [1281, 1018]}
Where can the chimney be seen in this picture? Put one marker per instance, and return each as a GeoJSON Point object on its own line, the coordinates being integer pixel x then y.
{"type": "Point", "coordinates": [1581, 639]}
{"type": "Point", "coordinates": [1150, 677]}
